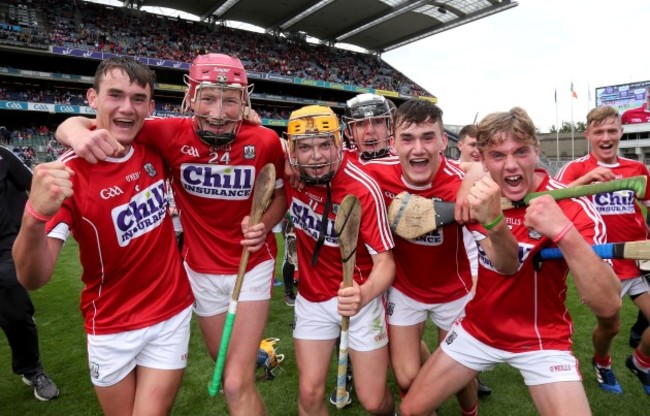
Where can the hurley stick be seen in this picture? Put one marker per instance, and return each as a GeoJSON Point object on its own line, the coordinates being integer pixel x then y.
{"type": "Point", "coordinates": [411, 216]}
{"type": "Point", "coordinates": [632, 250]}
{"type": "Point", "coordinates": [346, 226]}
{"type": "Point", "coordinates": [262, 193]}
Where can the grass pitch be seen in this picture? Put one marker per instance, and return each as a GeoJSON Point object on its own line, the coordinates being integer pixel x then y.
{"type": "Point", "coordinates": [63, 352]}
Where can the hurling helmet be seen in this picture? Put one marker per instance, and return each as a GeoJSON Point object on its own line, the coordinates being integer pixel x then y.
{"type": "Point", "coordinates": [366, 107]}
{"type": "Point", "coordinates": [225, 72]}
{"type": "Point", "coordinates": [305, 125]}
{"type": "Point", "coordinates": [268, 358]}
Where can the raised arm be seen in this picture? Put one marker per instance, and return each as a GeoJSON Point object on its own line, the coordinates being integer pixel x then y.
{"type": "Point", "coordinates": [92, 145]}
{"type": "Point", "coordinates": [473, 172]}
{"type": "Point", "coordinates": [34, 253]}
{"type": "Point", "coordinates": [500, 246]}
{"type": "Point", "coordinates": [597, 284]}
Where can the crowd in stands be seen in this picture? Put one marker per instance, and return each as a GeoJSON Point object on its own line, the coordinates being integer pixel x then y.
{"type": "Point", "coordinates": [95, 27]}
{"type": "Point", "coordinates": [65, 95]}
{"type": "Point", "coordinates": [165, 106]}
{"type": "Point", "coordinates": [32, 144]}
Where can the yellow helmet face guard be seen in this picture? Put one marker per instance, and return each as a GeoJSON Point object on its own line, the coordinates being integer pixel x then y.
{"type": "Point", "coordinates": [314, 133]}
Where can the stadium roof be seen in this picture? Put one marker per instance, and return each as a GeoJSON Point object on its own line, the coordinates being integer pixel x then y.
{"type": "Point", "coordinates": [375, 25]}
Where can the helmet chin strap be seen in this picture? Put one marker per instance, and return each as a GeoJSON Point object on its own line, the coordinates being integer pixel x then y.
{"type": "Point", "coordinates": [323, 225]}
{"type": "Point", "coordinates": [323, 180]}
{"type": "Point", "coordinates": [375, 155]}
{"type": "Point", "coordinates": [214, 139]}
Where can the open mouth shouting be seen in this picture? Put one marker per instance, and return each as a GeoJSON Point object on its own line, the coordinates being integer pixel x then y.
{"type": "Point", "coordinates": [514, 187]}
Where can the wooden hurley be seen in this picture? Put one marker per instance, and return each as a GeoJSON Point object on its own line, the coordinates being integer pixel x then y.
{"type": "Point", "coordinates": [262, 194]}
{"type": "Point", "coordinates": [346, 225]}
{"type": "Point", "coordinates": [411, 216]}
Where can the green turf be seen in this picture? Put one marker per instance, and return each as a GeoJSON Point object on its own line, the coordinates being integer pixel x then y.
{"type": "Point", "coordinates": [63, 354]}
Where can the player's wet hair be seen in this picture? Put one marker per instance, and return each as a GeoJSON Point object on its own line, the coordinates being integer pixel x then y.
{"type": "Point", "coordinates": [135, 70]}
{"type": "Point", "coordinates": [515, 121]}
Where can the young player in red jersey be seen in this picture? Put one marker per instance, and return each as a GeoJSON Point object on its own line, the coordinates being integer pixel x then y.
{"type": "Point", "coordinates": [418, 292]}
{"type": "Point", "coordinates": [315, 151]}
{"type": "Point", "coordinates": [136, 301]}
{"type": "Point", "coordinates": [518, 315]}
{"type": "Point", "coordinates": [639, 114]}
{"type": "Point", "coordinates": [625, 222]}
{"type": "Point", "coordinates": [214, 158]}
{"type": "Point", "coordinates": [369, 127]}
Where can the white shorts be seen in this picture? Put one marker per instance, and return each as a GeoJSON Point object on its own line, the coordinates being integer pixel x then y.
{"type": "Point", "coordinates": [634, 287]}
{"type": "Point", "coordinates": [536, 367]}
{"type": "Point", "coordinates": [162, 346]}
{"type": "Point", "coordinates": [320, 321]}
{"type": "Point", "coordinates": [405, 311]}
{"type": "Point", "coordinates": [212, 292]}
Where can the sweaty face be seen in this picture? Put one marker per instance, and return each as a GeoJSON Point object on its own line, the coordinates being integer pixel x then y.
{"type": "Point", "coordinates": [468, 150]}
{"type": "Point", "coordinates": [121, 105]}
{"type": "Point", "coordinates": [218, 110]}
{"type": "Point", "coordinates": [370, 134]}
{"type": "Point", "coordinates": [316, 155]}
{"type": "Point", "coordinates": [511, 165]}
{"type": "Point", "coordinates": [604, 139]}
{"type": "Point", "coordinates": [418, 147]}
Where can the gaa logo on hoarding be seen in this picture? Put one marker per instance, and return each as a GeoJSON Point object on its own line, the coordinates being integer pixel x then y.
{"type": "Point", "coordinates": [66, 109]}
{"type": "Point", "coordinates": [41, 107]}
{"type": "Point", "coordinates": [14, 105]}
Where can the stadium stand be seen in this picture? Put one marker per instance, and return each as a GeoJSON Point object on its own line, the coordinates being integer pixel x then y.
{"type": "Point", "coordinates": [51, 48]}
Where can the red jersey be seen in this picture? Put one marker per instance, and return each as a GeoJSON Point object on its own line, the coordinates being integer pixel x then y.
{"type": "Point", "coordinates": [320, 283]}
{"type": "Point", "coordinates": [213, 189]}
{"type": "Point", "coordinates": [636, 115]}
{"type": "Point", "coordinates": [132, 270]}
{"type": "Point", "coordinates": [432, 268]}
{"type": "Point", "coordinates": [620, 211]}
{"type": "Point", "coordinates": [526, 311]}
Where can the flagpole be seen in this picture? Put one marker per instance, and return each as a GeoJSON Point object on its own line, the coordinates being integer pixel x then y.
{"type": "Point", "coordinates": [588, 109]}
{"type": "Point", "coordinates": [573, 152]}
{"type": "Point", "coordinates": [557, 132]}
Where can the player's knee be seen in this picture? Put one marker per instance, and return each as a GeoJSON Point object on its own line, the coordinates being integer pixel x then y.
{"type": "Point", "coordinates": [404, 376]}
{"type": "Point", "coordinates": [311, 395]}
{"type": "Point", "coordinates": [376, 403]}
{"type": "Point", "coordinates": [609, 326]}
{"type": "Point", "coordinates": [236, 386]}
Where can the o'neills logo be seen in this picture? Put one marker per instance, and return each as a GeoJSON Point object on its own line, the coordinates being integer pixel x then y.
{"type": "Point", "coordinates": [144, 212]}
{"type": "Point", "coordinates": [217, 181]}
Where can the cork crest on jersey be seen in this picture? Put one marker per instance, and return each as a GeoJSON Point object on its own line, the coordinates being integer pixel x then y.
{"type": "Point", "coordinates": [144, 212]}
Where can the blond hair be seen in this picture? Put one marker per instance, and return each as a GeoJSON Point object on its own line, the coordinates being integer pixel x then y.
{"type": "Point", "coordinates": [598, 115]}
{"type": "Point", "coordinates": [516, 122]}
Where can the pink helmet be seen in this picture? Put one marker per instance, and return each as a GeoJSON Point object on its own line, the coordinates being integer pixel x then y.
{"type": "Point", "coordinates": [216, 69]}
